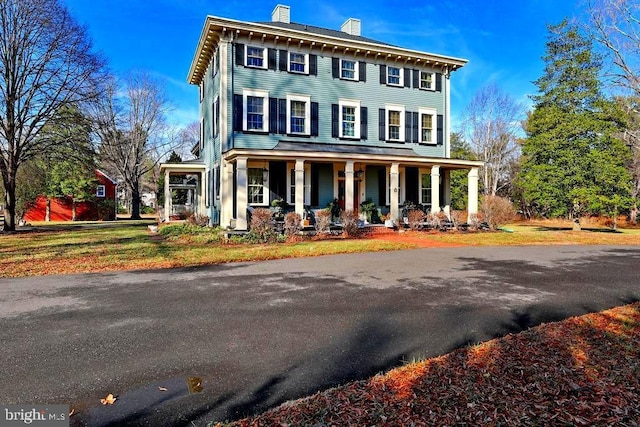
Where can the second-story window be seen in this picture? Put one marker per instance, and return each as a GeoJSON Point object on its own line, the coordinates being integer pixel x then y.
{"type": "Point", "coordinates": [255, 111]}
{"type": "Point", "coordinates": [298, 114]}
{"type": "Point", "coordinates": [427, 122]}
{"type": "Point", "coordinates": [298, 63]}
{"type": "Point", "coordinates": [349, 114]}
{"type": "Point", "coordinates": [395, 123]}
{"type": "Point", "coordinates": [256, 57]}
{"type": "Point", "coordinates": [348, 69]}
{"type": "Point", "coordinates": [394, 76]}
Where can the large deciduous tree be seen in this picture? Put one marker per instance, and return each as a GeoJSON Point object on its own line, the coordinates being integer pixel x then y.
{"type": "Point", "coordinates": [491, 126]}
{"type": "Point", "coordinates": [132, 131]}
{"type": "Point", "coordinates": [573, 163]}
{"type": "Point", "coordinates": [46, 62]}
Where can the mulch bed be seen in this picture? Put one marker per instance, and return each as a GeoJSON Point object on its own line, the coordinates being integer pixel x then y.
{"type": "Point", "coordinates": [581, 371]}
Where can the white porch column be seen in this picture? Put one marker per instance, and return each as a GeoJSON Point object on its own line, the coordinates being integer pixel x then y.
{"type": "Point", "coordinates": [394, 196]}
{"type": "Point", "coordinates": [348, 186]}
{"type": "Point", "coordinates": [226, 193]}
{"type": "Point", "coordinates": [202, 193]}
{"type": "Point", "coordinates": [435, 189]}
{"type": "Point", "coordinates": [446, 191]}
{"type": "Point", "coordinates": [241, 193]}
{"type": "Point", "coordinates": [167, 197]}
{"type": "Point", "coordinates": [473, 193]}
{"type": "Point", "coordinates": [299, 187]}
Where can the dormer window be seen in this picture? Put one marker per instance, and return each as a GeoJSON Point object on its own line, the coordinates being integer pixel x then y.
{"type": "Point", "coordinates": [298, 63]}
{"type": "Point", "coordinates": [256, 57]}
{"type": "Point", "coordinates": [394, 76]}
{"type": "Point", "coordinates": [348, 69]}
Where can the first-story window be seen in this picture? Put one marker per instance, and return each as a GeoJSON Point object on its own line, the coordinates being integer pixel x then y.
{"type": "Point", "coordinates": [255, 183]}
{"type": "Point", "coordinates": [100, 191]}
{"type": "Point", "coordinates": [255, 111]}
{"type": "Point", "coordinates": [425, 185]}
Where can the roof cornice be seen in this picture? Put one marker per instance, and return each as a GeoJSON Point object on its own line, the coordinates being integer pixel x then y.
{"type": "Point", "coordinates": [215, 28]}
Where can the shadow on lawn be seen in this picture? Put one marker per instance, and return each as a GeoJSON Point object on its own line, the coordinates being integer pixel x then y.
{"type": "Point", "coordinates": [590, 229]}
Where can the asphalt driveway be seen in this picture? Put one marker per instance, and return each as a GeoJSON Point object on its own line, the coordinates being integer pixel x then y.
{"type": "Point", "coordinates": [256, 334]}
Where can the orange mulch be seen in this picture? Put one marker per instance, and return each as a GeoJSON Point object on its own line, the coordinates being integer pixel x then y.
{"type": "Point", "coordinates": [580, 372]}
{"type": "Point", "coordinates": [419, 239]}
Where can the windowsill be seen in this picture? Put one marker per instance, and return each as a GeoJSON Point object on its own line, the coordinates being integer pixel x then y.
{"type": "Point", "coordinates": [256, 131]}
{"type": "Point", "coordinates": [256, 67]}
{"type": "Point", "coordinates": [348, 80]}
{"type": "Point", "coordinates": [427, 143]}
{"type": "Point", "coordinates": [349, 138]}
{"type": "Point", "coordinates": [395, 141]}
{"type": "Point", "coordinates": [299, 135]}
{"type": "Point", "coordinates": [427, 89]}
{"type": "Point", "coordinates": [303, 73]}
{"type": "Point", "coordinates": [394, 85]}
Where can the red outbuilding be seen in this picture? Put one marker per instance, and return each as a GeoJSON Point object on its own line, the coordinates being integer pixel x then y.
{"type": "Point", "coordinates": [102, 208]}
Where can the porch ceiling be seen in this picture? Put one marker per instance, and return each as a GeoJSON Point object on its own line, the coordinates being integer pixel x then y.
{"type": "Point", "coordinates": [287, 150]}
{"type": "Point", "coordinates": [182, 167]}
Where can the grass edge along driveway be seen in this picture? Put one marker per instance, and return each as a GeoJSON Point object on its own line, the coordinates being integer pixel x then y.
{"type": "Point", "coordinates": [96, 247]}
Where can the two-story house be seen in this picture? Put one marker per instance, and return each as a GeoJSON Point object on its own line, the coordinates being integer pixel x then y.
{"type": "Point", "coordinates": [307, 114]}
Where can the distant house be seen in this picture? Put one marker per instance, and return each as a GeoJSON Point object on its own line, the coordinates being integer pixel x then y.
{"type": "Point", "coordinates": [103, 207]}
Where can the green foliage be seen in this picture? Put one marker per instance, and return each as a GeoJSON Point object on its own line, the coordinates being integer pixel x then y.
{"type": "Point", "coordinates": [460, 149]}
{"type": "Point", "coordinates": [192, 232]}
{"type": "Point", "coordinates": [334, 208]}
{"type": "Point", "coordinates": [572, 163]}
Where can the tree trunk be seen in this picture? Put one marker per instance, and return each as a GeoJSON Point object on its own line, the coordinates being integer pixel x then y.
{"type": "Point", "coordinates": [10, 202]}
{"type": "Point", "coordinates": [73, 209]}
{"type": "Point", "coordinates": [633, 214]}
{"type": "Point", "coordinates": [47, 215]}
{"type": "Point", "coordinates": [135, 203]}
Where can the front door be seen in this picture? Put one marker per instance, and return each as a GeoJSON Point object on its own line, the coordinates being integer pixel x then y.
{"type": "Point", "coordinates": [342, 194]}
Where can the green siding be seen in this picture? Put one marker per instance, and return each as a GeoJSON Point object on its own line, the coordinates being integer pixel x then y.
{"type": "Point", "coordinates": [325, 182]}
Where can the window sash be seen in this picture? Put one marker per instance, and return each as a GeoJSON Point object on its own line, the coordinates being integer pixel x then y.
{"type": "Point", "coordinates": [298, 116]}
{"type": "Point", "coordinates": [255, 113]}
{"type": "Point", "coordinates": [100, 191]}
{"type": "Point", "coordinates": [348, 121]}
{"type": "Point", "coordinates": [393, 75]}
{"type": "Point", "coordinates": [255, 186]}
{"type": "Point", "coordinates": [297, 63]}
{"type": "Point", "coordinates": [348, 69]}
{"type": "Point", "coordinates": [426, 80]}
{"type": "Point", "coordinates": [426, 127]}
{"type": "Point", "coordinates": [426, 189]}
{"type": "Point", "coordinates": [255, 56]}
{"type": "Point", "coordinates": [394, 124]}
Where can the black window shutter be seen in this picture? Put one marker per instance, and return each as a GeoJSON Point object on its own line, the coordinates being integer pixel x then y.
{"type": "Point", "coordinates": [416, 127]}
{"type": "Point", "coordinates": [282, 116]}
{"type": "Point", "coordinates": [362, 71]}
{"type": "Point", "coordinates": [408, 124]}
{"type": "Point", "coordinates": [315, 117]}
{"type": "Point", "coordinates": [364, 122]}
{"type": "Point", "coordinates": [383, 74]}
{"type": "Point", "coordinates": [440, 129]}
{"type": "Point", "coordinates": [416, 79]}
{"type": "Point", "coordinates": [382, 186]}
{"type": "Point", "coordinates": [438, 82]}
{"type": "Point", "coordinates": [284, 59]}
{"type": "Point", "coordinates": [313, 65]}
{"type": "Point", "coordinates": [239, 54]}
{"type": "Point", "coordinates": [382, 125]}
{"type": "Point", "coordinates": [237, 113]}
{"type": "Point", "coordinates": [407, 77]}
{"type": "Point", "coordinates": [273, 115]}
{"type": "Point", "coordinates": [335, 120]}
{"type": "Point", "coordinates": [335, 68]}
{"type": "Point", "coordinates": [217, 118]}
{"type": "Point", "coordinates": [272, 62]}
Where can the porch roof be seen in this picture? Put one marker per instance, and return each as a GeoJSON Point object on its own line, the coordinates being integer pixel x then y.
{"type": "Point", "coordinates": [188, 166]}
{"type": "Point", "coordinates": [289, 150]}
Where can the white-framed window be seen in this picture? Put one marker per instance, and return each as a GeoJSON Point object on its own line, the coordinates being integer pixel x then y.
{"type": "Point", "coordinates": [216, 117]}
{"type": "Point", "coordinates": [256, 186]}
{"type": "Point", "coordinates": [299, 114]}
{"type": "Point", "coordinates": [298, 63]}
{"type": "Point", "coordinates": [255, 57]}
{"type": "Point", "coordinates": [425, 188]}
{"type": "Point", "coordinates": [395, 76]}
{"type": "Point", "coordinates": [255, 114]}
{"type": "Point", "coordinates": [395, 123]}
{"type": "Point", "coordinates": [427, 80]}
{"type": "Point", "coordinates": [349, 111]}
{"type": "Point", "coordinates": [291, 184]}
{"type": "Point", "coordinates": [101, 191]}
{"type": "Point", "coordinates": [426, 125]}
{"type": "Point", "coordinates": [349, 69]}
{"type": "Point", "coordinates": [202, 90]}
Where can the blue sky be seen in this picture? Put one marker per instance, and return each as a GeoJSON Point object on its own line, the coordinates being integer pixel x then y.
{"type": "Point", "coordinates": [503, 40]}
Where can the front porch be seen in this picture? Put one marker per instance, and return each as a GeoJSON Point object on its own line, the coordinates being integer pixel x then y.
{"type": "Point", "coordinates": [309, 181]}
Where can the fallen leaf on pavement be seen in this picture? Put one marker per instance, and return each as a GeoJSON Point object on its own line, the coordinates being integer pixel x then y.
{"type": "Point", "coordinates": [109, 400]}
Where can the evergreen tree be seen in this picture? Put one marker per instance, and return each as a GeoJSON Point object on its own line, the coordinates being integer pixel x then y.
{"type": "Point", "coordinates": [572, 162]}
{"type": "Point", "coordinates": [459, 185]}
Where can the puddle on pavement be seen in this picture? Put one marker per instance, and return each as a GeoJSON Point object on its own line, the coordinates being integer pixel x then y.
{"type": "Point", "coordinates": [139, 401]}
